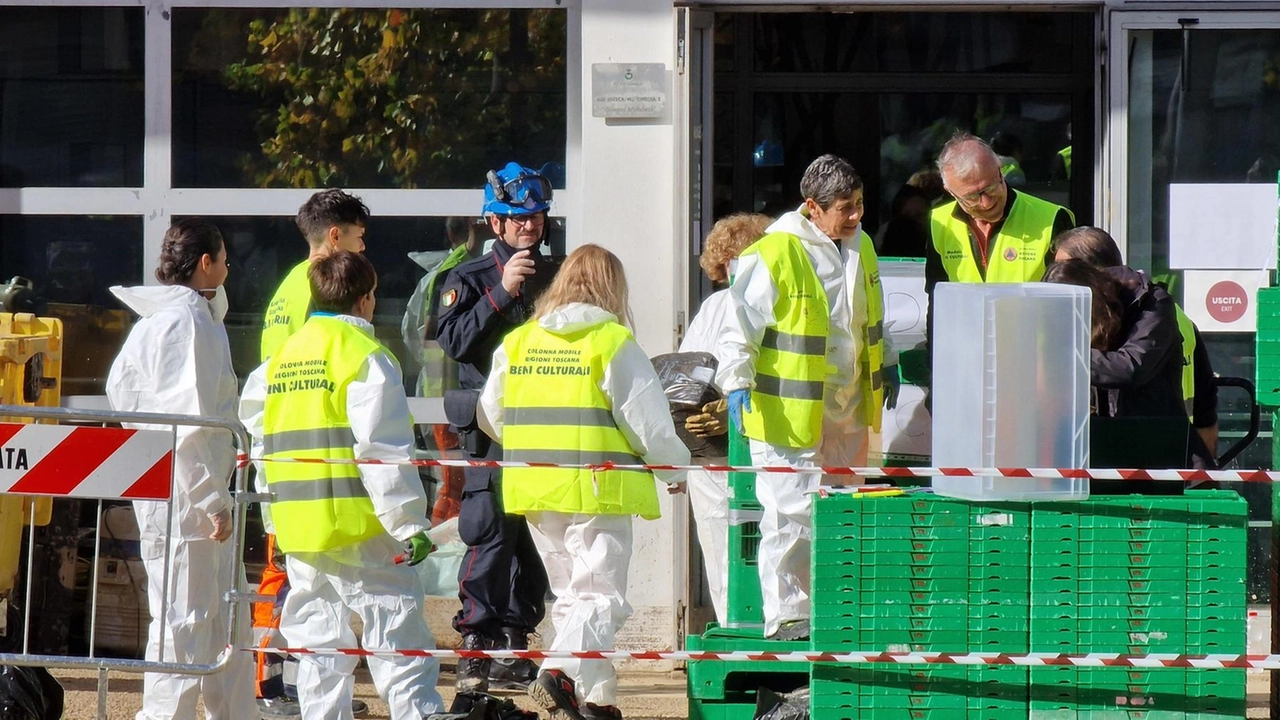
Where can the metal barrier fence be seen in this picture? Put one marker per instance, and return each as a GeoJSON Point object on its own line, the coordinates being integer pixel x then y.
{"type": "Point", "coordinates": [77, 472]}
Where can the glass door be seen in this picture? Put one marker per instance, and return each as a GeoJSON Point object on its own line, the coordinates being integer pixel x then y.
{"type": "Point", "coordinates": [1195, 99]}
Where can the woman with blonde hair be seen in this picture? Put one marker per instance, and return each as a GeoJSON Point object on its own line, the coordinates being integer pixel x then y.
{"type": "Point", "coordinates": [572, 387]}
{"type": "Point", "coordinates": [708, 490]}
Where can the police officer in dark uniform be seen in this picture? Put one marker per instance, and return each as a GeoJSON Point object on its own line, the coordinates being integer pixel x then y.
{"type": "Point", "coordinates": [502, 583]}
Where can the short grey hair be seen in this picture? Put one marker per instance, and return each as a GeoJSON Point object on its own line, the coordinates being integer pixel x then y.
{"type": "Point", "coordinates": [828, 179]}
{"type": "Point", "coordinates": [960, 154]}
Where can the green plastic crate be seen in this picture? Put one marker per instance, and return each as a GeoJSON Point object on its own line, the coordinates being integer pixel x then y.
{"type": "Point", "coordinates": [720, 680]}
{"type": "Point", "coordinates": [745, 606]}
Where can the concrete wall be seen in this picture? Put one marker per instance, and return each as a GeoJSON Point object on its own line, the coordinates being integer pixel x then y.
{"type": "Point", "coordinates": [627, 181]}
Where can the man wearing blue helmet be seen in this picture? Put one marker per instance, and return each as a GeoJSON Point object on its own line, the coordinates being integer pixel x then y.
{"type": "Point", "coordinates": [501, 583]}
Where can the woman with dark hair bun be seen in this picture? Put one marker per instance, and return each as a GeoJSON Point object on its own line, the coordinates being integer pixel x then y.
{"type": "Point", "coordinates": [176, 360]}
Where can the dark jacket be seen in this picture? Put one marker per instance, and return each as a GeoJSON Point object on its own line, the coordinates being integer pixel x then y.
{"type": "Point", "coordinates": [1143, 375]}
{"type": "Point", "coordinates": [476, 312]}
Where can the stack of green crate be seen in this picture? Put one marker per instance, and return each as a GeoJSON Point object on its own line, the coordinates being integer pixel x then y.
{"type": "Point", "coordinates": [726, 690]}
{"type": "Point", "coordinates": [745, 605]}
{"type": "Point", "coordinates": [1268, 365]}
{"type": "Point", "coordinates": [919, 573]}
{"type": "Point", "coordinates": [1138, 575]}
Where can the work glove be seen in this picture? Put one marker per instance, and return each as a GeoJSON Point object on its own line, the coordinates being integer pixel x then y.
{"type": "Point", "coordinates": [416, 549]}
{"type": "Point", "coordinates": [889, 375]}
{"type": "Point", "coordinates": [711, 422]}
{"type": "Point", "coordinates": [739, 399]}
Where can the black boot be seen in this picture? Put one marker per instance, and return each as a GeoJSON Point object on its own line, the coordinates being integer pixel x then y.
{"type": "Point", "coordinates": [473, 673]}
{"type": "Point", "coordinates": [513, 674]}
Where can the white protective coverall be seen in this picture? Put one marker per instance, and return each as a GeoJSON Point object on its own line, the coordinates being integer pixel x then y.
{"type": "Point", "coordinates": [786, 527]}
{"type": "Point", "coordinates": [587, 557]}
{"type": "Point", "coordinates": [709, 491]}
{"type": "Point", "coordinates": [176, 360]}
{"type": "Point", "coordinates": [413, 324]}
{"type": "Point", "coordinates": [326, 588]}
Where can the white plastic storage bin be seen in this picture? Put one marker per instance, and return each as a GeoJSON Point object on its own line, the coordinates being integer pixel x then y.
{"type": "Point", "coordinates": [1011, 387]}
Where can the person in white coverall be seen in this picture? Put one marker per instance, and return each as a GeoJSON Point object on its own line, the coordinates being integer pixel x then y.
{"type": "Point", "coordinates": [709, 491]}
{"type": "Point", "coordinates": [176, 360]}
{"type": "Point", "coordinates": [802, 363]}
{"type": "Point", "coordinates": [333, 391]}
{"type": "Point", "coordinates": [572, 386]}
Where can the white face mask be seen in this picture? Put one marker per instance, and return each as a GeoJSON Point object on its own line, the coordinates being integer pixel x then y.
{"type": "Point", "coordinates": [218, 305]}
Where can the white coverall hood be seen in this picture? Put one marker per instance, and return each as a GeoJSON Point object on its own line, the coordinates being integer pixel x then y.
{"type": "Point", "coordinates": [573, 317]}
{"type": "Point", "coordinates": [147, 300]}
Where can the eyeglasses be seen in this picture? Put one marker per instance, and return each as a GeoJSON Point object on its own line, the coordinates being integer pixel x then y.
{"type": "Point", "coordinates": [521, 189]}
{"type": "Point", "coordinates": [534, 219]}
{"type": "Point", "coordinates": [973, 198]}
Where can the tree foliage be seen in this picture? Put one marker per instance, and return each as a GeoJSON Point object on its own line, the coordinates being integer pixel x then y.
{"type": "Point", "coordinates": [401, 97]}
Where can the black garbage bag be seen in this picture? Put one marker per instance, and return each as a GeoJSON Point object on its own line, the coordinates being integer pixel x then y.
{"type": "Point", "coordinates": [789, 706]}
{"type": "Point", "coordinates": [29, 693]}
{"type": "Point", "coordinates": [483, 706]}
{"type": "Point", "coordinates": [688, 379]}
{"type": "Point", "coordinates": [26, 693]}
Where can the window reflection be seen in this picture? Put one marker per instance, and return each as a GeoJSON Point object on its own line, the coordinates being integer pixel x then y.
{"type": "Point", "coordinates": [262, 250]}
{"type": "Point", "coordinates": [72, 261]}
{"type": "Point", "coordinates": [386, 98]}
{"type": "Point", "coordinates": [71, 105]}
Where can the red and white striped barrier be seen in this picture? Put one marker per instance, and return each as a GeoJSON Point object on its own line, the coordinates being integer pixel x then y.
{"type": "Point", "coordinates": [1167, 660]}
{"type": "Point", "coordinates": [862, 472]}
{"type": "Point", "coordinates": [87, 462]}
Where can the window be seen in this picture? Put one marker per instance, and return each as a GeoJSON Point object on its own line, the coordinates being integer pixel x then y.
{"type": "Point", "coordinates": [377, 98]}
{"type": "Point", "coordinates": [71, 107]}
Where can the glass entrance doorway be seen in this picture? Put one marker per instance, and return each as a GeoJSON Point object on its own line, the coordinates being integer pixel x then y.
{"type": "Point", "coordinates": [886, 90]}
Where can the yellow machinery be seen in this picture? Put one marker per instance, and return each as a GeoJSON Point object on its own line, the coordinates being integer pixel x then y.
{"type": "Point", "coordinates": [30, 374]}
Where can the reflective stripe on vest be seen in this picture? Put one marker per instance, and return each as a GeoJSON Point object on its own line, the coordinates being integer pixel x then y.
{"type": "Point", "coordinates": [786, 403]}
{"type": "Point", "coordinates": [1188, 333]}
{"type": "Point", "coordinates": [287, 310]}
{"type": "Point", "coordinates": [554, 411]}
{"type": "Point", "coordinates": [872, 360]}
{"type": "Point", "coordinates": [316, 506]}
{"type": "Point", "coordinates": [1016, 253]}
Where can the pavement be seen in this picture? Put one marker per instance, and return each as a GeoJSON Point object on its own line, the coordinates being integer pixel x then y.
{"type": "Point", "coordinates": [641, 695]}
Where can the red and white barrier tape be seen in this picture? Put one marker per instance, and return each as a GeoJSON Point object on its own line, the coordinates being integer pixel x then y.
{"type": "Point", "coordinates": [862, 472]}
{"type": "Point", "coordinates": [1255, 662]}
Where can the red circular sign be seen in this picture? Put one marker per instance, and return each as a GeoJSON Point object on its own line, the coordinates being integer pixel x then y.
{"type": "Point", "coordinates": [1226, 301]}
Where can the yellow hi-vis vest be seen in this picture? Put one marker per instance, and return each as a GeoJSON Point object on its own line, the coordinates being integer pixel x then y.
{"type": "Point", "coordinates": [287, 310]}
{"type": "Point", "coordinates": [872, 359]}
{"type": "Point", "coordinates": [555, 410]}
{"type": "Point", "coordinates": [1188, 333]}
{"type": "Point", "coordinates": [1015, 254]}
{"type": "Point", "coordinates": [316, 506]}
{"type": "Point", "coordinates": [786, 403]}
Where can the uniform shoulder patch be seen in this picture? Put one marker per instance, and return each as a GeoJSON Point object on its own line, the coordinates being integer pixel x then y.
{"type": "Point", "coordinates": [450, 297]}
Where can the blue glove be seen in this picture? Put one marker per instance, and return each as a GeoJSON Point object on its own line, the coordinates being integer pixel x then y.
{"type": "Point", "coordinates": [738, 399]}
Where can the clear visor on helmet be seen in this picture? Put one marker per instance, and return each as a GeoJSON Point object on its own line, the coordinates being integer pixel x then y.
{"type": "Point", "coordinates": [525, 190]}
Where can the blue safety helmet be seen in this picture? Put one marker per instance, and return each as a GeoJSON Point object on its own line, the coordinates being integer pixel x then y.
{"type": "Point", "coordinates": [516, 190]}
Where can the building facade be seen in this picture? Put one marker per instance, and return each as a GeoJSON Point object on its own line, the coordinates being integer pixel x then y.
{"type": "Point", "coordinates": [118, 115]}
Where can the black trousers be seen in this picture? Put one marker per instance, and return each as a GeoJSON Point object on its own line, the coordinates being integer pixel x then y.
{"type": "Point", "coordinates": [502, 582]}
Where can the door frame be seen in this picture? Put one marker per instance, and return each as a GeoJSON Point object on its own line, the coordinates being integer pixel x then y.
{"type": "Point", "coordinates": [1112, 192]}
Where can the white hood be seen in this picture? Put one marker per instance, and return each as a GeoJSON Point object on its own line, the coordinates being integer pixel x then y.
{"type": "Point", "coordinates": [147, 300]}
{"type": "Point", "coordinates": [797, 223]}
{"type": "Point", "coordinates": [428, 259]}
{"type": "Point", "coordinates": [573, 317]}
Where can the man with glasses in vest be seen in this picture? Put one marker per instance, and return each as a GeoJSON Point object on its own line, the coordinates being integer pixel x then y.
{"type": "Point", "coordinates": [333, 391]}
{"type": "Point", "coordinates": [502, 583]}
{"type": "Point", "coordinates": [991, 232]}
{"type": "Point", "coordinates": [803, 362]}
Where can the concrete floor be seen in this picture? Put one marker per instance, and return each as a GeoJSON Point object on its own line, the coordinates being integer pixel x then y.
{"type": "Point", "coordinates": [643, 693]}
